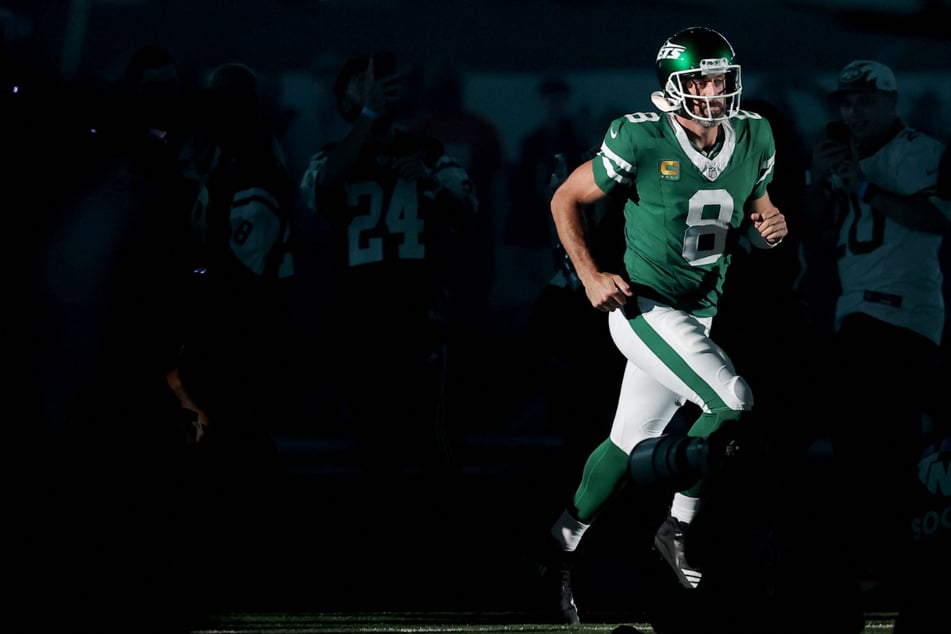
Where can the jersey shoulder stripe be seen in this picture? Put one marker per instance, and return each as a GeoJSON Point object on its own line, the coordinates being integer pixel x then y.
{"type": "Point", "coordinates": [627, 135]}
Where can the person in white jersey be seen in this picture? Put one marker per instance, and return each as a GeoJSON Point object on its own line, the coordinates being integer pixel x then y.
{"type": "Point", "coordinates": [874, 182]}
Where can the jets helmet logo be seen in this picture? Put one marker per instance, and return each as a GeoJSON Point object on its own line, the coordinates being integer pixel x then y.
{"type": "Point", "coordinates": [670, 51]}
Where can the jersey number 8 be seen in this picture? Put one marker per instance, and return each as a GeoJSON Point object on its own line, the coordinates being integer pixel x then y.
{"type": "Point", "coordinates": [705, 238]}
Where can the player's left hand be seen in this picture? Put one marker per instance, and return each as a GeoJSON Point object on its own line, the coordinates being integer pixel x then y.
{"type": "Point", "coordinates": [771, 224]}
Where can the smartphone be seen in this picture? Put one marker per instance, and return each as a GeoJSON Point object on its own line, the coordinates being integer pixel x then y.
{"type": "Point", "coordinates": [384, 63]}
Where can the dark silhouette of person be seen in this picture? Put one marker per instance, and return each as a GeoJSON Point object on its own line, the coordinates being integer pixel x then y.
{"type": "Point", "coordinates": [528, 223]}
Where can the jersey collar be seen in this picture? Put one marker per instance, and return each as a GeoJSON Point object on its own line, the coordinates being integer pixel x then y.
{"type": "Point", "coordinates": [710, 167]}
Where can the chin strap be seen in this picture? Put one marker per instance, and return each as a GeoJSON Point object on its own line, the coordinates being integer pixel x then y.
{"type": "Point", "coordinates": [663, 102]}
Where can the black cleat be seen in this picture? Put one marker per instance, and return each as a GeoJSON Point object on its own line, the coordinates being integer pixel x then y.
{"type": "Point", "coordinates": [566, 598]}
{"type": "Point", "coordinates": [669, 543]}
{"type": "Point", "coordinates": [555, 570]}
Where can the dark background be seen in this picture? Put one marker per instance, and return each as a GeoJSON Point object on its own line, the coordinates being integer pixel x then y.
{"type": "Point", "coordinates": [494, 35]}
{"type": "Point", "coordinates": [328, 538]}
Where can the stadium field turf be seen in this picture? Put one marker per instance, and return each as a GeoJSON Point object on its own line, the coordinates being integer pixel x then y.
{"type": "Point", "coordinates": [458, 623]}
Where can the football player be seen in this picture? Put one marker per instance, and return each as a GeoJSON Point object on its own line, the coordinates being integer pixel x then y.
{"type": "Point", "coordinates": [695, 177]}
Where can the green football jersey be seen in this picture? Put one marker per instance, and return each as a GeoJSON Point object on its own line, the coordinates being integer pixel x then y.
{"type": "Point", "coordinates": [685, 210]}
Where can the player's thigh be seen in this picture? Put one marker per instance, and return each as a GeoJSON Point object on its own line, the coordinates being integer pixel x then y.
{"type": "Point", "coordinates": [674, 348]}
{"type": "Point", "coordinates": [644, 408]}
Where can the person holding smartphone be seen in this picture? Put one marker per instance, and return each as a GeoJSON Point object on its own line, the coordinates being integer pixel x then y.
{"type": "Point", "coordinates": [873, 188]}
{"type": "Point", "coordinates": [395, 204]}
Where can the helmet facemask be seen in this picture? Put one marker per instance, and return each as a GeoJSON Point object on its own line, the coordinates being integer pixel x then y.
{"type": "Point", "coordinates": [712, 108]}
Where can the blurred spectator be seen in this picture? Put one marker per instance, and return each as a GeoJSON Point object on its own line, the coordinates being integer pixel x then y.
{"type": "Point", "coordinates": [587, 362]}
{"type": "Point", "coordinates": [156, 98]}
{"type": "Point", "coordinates": [925, 590]}
{"type": "Point", "coordinates": [529, 223]}
{"type": "Point", "coordinates": [105, 289]}
{"type": "Point", "coordinates": [233, 324]}
{"type": "Point", "coordinates": [238, 261]}
{"type": "Point", "coordinates": [944, 173]}
{"type": "Point", "coordinates": [474, 141]}
{"type": "Point", "coordinates": [874, 182]}
{"type": "Point", "coordinates": [944, 192]}
{"type": "Point", "coordinates": [397, 206]}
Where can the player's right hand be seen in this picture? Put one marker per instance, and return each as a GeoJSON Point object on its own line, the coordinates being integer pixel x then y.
{"type": "Point", "coordinates": [607, 291]}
